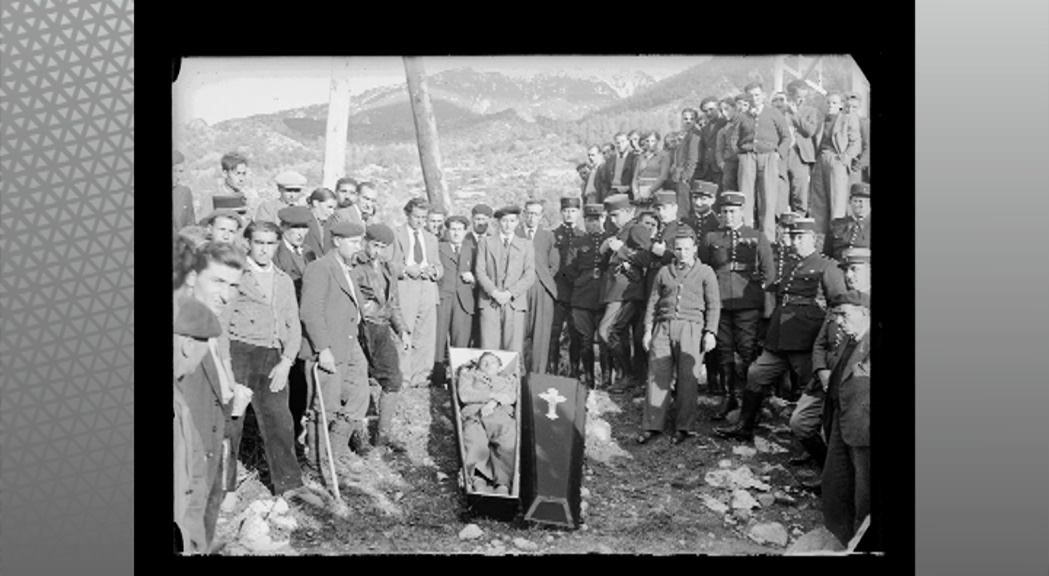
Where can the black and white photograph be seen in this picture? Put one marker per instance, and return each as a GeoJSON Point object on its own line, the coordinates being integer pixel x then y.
{"type": "Point", "coordinates": [523, 305]}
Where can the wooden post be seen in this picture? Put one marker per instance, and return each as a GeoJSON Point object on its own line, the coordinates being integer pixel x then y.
{"type": "Point", "coordinates": [338, 123]}
{"type": "Point", "coordinates": [426, 134]}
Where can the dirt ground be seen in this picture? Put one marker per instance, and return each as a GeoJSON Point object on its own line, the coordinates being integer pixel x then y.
{"type": "Point", "coordinates": [638, 499]}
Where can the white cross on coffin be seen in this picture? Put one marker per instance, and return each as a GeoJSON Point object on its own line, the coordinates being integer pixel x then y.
{"type": "Point", "coordinates": [553, 398]}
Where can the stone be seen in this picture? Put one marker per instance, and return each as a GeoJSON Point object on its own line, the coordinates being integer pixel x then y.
{"type": "Point", "coordinates": [733, 416]}
{"type": "Point", "coordinates": [284, 522]}
{"type": "Point", "coordinates": [525, 545]}
{"type": "Point", "coordinates": [605, 549]}
{"type": "Point", "coordinates": [784, 498]}
{"type": "Point", "coordinates": [741, 477]}
{"type": "Point", "coordinates": [584, 492]}
{"type": "Point", "coordinates": [599, 430]}
{"type": "Point", "coordinates": [470, 532]}
{"type": "Point", "coordinates": [280, 506]}
{"type": "Point", "coordinates": [770, 533]}
{"type": "Point", "coordinates": [744, 451]}
{"type": "Point", "coordinates": [766, 500]}
{"type": "Point", "coordinates": [767, 446]}
{"type": "Point", "coordinates": [741, 514]}
{"type": "Point", "coordinates": [714, 504]}
{"type": "Point", "coordinates": [584, 507]}
{"type": "Point", "coordinates": [741, 499]}
{"type": "Point", "coordinates": [817, 540]}
{"type": "Point", "coordinates": [549, 539]}
{"type": "Point", "coordinates": [441, 476]}
{"type": "Point", "coordinates": [725, 464]}
{"type": "Point", "coordinates": [260, 507]}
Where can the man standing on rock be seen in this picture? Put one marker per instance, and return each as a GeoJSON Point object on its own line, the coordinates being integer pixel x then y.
{"type": "Point", "coordinates": [543, 293]}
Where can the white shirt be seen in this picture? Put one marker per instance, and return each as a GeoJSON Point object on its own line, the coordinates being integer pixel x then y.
{"type": "Point", "coordinates": [409, 257]}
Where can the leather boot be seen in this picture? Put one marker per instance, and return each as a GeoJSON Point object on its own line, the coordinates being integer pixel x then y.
{"type": "Point", "coordinates": [586, 374]}
{"type": "Point", "coordinates": [744, 429]}
{"type": "Point", "coordinates": [606, 368]}
{"type": "Point", "coordinates": [715, 379]}
{"type": "Point", "coordinates": [360, 439]}
{"type": "Point", "coordinates": [387, 407]}
{"type": "Point", "coordinates": [729, 403]}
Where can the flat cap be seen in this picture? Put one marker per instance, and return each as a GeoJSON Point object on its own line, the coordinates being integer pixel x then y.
{"type": "Point", "coordinates": [457, 218]}
{"type": "Point", "coordinates": [593, 210]}
{"type": "Point", "coordinates": [665, 198]}
{"type": "Point", "coordinates": [295, 215]}
{"type": "Point", "coordinates": [571, 202]}
{"type": "Point", "coordinates": [617, 202]}
{"type": "Point", "coordinates": [732, 199]}
{"type": "Point", "coordinates": [856, 256]}
{"type": "Point", "coordinates": [507, 210]}
{"type": "Point", "coordinates": [290, 179]}
{"type": "Point", "coordinates": [196, 320]}
{"type": "Point", "coordinates": [481, 209]}
{"type": "Point", "coordinates": [860, 189]}
{"type": "Point", "coordinates": [854, 297]}
{"type": "Point", "coordinates": [704, 188]}
{"type": "Point", "coordinates": [379, 232]}
{"type": "Point", "coordinates": [802, 226]}
{"type": "Point", "coordinates": [177, 157]}
{"type": "Point", "coordinates": [230, 202]}
{"type": "Point", "coordinates": [347, 229]}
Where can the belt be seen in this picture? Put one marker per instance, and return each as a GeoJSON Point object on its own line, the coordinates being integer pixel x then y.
{"type": "Point", "coordinates": [792, 300]}
{"type": "Point", "coordinates": [738, 267]}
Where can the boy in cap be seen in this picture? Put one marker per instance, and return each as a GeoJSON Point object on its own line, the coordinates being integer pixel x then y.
{"type": "Point", "coordinates": [381, 314]}
{"type": "Point", "coordinates": [182, 213]}
{"type": "Point", "coordinates": [543, 293]}
{"type": "Point", "coordinates": [628, 254]}
{"type": "Point", "coordinates": [458, 293]}
{"type": "Point", "coordinates": [742, 261]}
{"type": "Point", "coordinates": [681, 317]}
{"type": "Point", "coordinates": [331, 315]}
{"type": "Point", "coordinates": [808, 283]}
{"type": "Point", "coordinates": [583, 269]}
{"type": "Point", "coordinates": [289, 186]}
{"type": "Point", "coordinates": [418, 267]}
{"type": "Point", "coordinates": [564, 236]}
{"type": "Point", "coordinates": [854, 230]}
{"type": "Point", "coordinates": [505, 271]}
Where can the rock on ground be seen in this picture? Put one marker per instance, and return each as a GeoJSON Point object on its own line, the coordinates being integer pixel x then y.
{"type": "Point", "coordinates": [766, 500]}
{"type": "Point", "coordinates": [714, 504]}
{"type": "Point", "coordinates": [525, 545]}
{"type": "Point", "coordinates": [772, 533]}
{"type": "Point", "coordinates": [818, 540]}
{"type": "Point", "coordinates": [741, 499]}
{"type": "Point", "coordinates": [744, 451]}
{"type": "Point", "coordinates": [470, 532]}
{"type": "Point", "coordinates": [767, 446]}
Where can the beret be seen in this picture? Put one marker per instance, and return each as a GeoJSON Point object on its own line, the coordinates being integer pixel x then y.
{"type": "Point", "coordinates": [231, 201]}
{"type": "Point", "coordinates": [177, 157]}
{"type": "Point", "coordinates": [856, 256]}
{"type": "Point", "coordinates": [347, 229]}
{"type": "Point", "coordinates": [802, 225]}
{"type": "Point", "coordinates": [860, 189]}
{"type": "Point", "coordinates": [571, 202]}
{"type": "Point", "coordinates": [295, 215]}
{"type": "Point", "coordinates": [507, 210]}
{"type": "Point", "coordinates": [593, 210]}
{"type": "Point", "coordinates": [290, 179]}
{"type": "Point", "coordinates": [457, 218]}
{"type": "Point", "coordinates": [665, 198]}
{"type": "Point", "coordinates": [854, 297]}
{"type": "Point", "coordinates": [380, 233]}
{"type": "Point", "coordinates": [732, 199]}
{"type": "Point", "coordinates": [482, 209]}
{"type": "Point", "coordinates": [704, 188]}
{"type": "Point", "coordinates": [617, 202]}
{"type": "Point", "coordinates": [196, 320]}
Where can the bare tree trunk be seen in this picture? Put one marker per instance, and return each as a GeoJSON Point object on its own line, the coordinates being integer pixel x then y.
{"type": "Point", "coordinates": [338, 123]}
{"type": "Point", "coordinates": [426, 134]}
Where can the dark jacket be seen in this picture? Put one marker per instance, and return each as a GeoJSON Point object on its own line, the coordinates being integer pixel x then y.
{"type": "Point", "coordinates": [802, 293]}
{"type": "Point", "coordinates": [563, 238]}
{"type": "Point", "coordinates": [742, 261]}
{"type": "Point", "coordinates": [627, 267]}
{"type": "Point", "coordinates": [377, 292]}
{"type": "Point", "coordinates": [585, 270]}
{"type": "Point", "coordinates": [846, 233]}
{"type": "Point", "coordinates": [451, 284]}
{"type": "Point", "coordinates": [849, 393]}
{"type": "Point", "coordinates": [547, 258]}
{"type": "Point", "coordinates": [330, 309]}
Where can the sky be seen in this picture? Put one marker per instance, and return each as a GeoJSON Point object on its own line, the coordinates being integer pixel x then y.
{"type": "Point", "coordinates": [218, 89]}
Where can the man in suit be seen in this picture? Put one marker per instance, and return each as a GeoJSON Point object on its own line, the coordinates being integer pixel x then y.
{"type": "Point", "coordinates": [846, 473]}
{"type": "Point", "coordinates": [458, 293]}
{"type": "Point", "coordinates": [861, 164]}
{"type": "Point", "coordinates": [564, 236]}
{"type": "Point", "coordinates": [543, 293]}
{"type": "Point", "coordinates": [708, 168]}
{"type": "Point", "coordinates": [764, 141]}
{"type": "Point", "coordinates": [505, 271]}
{"type": "Point", "coordinates": [598, 183]}
{"type": "Point", "coordinates": [479, 217]}
{"type": "Point", "coordinates": [839, 144]}
{"type": "Point", "coordinates": [418, 268]}
{"type": "Point", "coordinates": [289, 186]}
{"type": "Point", "coordinates": [291, 258]}
{"type": "Point", "coordinates": [331, 315]}
{"type": "Point", "coordinates": [584, 269]}
{"type": "Point", "coordinates": [804, 122]}
{"type": "Point", "coordinates": [182, 213]}
{"type": "Point", "coordinates": [685, 159]}
{"type": "Point", "coordinates": [853, 231]}
{"type": "Point", "coordinates": [347, 192]}
{"type": "Point", "coordinates": [628, 253]}
{"type": "Point", "coordinates": [809, 282]}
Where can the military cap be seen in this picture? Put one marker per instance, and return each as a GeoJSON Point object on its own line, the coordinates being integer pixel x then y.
{"type": "Point", "coordinates": [230, 202]}
{"type": "Point", "coordinates": [854, 297]}
{"type": "Point", "coordinates": [196, 320]}
{"type": "Point", "coordinates": [221, 213]}
{"type": "Point", "coordinates": [570, 202]}
{"type": "Point", "coordinates": [704, 188]}
{"type": "Point", "coordinates": [507, 210]}
{"type": "Point", "coordinates": [802, 225]}
{"type": "Point", "coordinates": [379, 232]}
{"type": "Point", "coordinates": [457, 218]}
{"type": "Point", "coordinates": [860, 189]}
{"type": "Point", "coordinates": [787, 219]}
{"type": "Point", "coordinates": [177, 157]}
{"type": "Point", "coordinates": [593, 210]}
{"type": "Point", "coordinates": [665, 198]}
{"type": "Point", "coordinates": [290, 179]}
{"type": "Point", "coordinates": [347, 229]}
{"type": "Point", "coordinates": [295, 215]}
{"type": "Point", "coordinates": [856, 255]}
{"type": "Point", "coordinates": [482, 209]}
{"type": "Point", "coordinates": [732, 199]}
{"type": "Point", "coordinates": [617, 202]}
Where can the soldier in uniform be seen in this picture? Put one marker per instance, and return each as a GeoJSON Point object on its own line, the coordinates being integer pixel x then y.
{"type": "Point", "coordinates": [808, 283]}
{"type": "Point", "coordinates": [564, 236]}
{"type": "Point", "coordinates": [623, 293]}
{"type": "Point", "coordinates": [782, 254]}
{"type": "Point", "coordinates": [583, 270]}
{"type": "Point", "coordinates": [703, 219]}
{"type": "Point", "coordinates": [854, 230]}
{"type": "Point", "coordinates": [742, 260]}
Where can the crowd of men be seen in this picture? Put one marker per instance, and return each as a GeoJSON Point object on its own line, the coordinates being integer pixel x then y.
{"type": "Point", "coordinates": [740, 248]}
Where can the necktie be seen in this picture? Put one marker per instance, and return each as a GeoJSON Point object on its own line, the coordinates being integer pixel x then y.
{"type": "Point", "coordinates": [418, 251]}
{"type": "Point", "coordinates": [506, 243]}
{"type": "Point", "coordinates": [531, 233]}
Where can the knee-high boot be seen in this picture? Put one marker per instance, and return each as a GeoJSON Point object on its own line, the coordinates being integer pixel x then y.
{"type": "Point", "coordinates": [729, 403]}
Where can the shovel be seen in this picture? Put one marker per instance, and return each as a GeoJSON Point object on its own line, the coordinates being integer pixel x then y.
{"type": "Point", "coordinates": [340, 507]}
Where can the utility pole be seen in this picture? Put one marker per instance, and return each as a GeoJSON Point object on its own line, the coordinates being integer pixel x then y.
{"type": "Point", "coordinates": [426, 133]}
{"type": "Point", "coordinates": [338, 123]}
